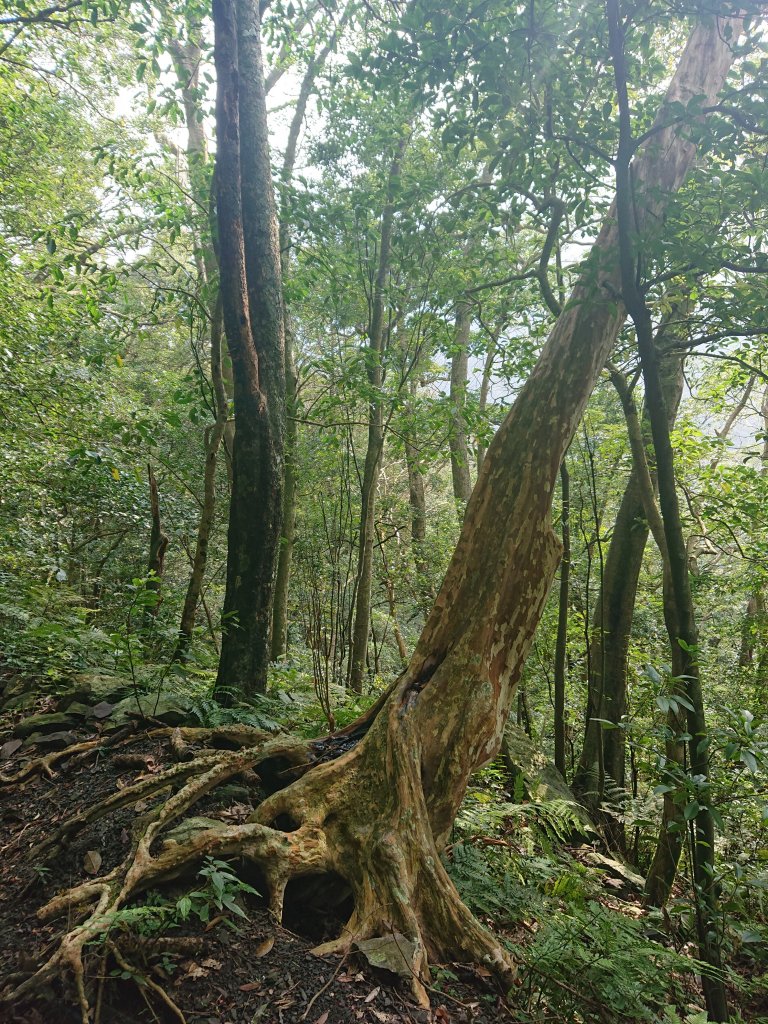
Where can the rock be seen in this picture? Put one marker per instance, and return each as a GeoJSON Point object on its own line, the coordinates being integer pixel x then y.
{"type": "Point", "coordinates": [16, 686]}
{"type": "Point", "coordinates": [615, 871]}
{"type": "Point", "coordinates": [77, 710]}
{"type": "Point", "coordinates": [102, 710]}
{"type": "Point", "coordinates": [21, 702]}
{"type": "Point", "coordinates": [231, 791]}
{"type": "Point", "coordinates": [92, 687]}
{"type": "Point", "coordinates": [51, 740]}
{"type": "Point", "coordinates": [9, 748]}
{"type": "Point", "coordinates": [49, 722]}
{"type": "Point", "coordinates": [542, 781]}
{"type": "Point", "coordinates": [169, 708]}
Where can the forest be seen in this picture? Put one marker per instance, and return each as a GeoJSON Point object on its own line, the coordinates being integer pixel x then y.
{"type": "Point", "coordinates": [383, 518]}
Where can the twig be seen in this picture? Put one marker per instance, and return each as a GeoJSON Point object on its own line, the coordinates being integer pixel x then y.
{"type": "Point", "coordinates": [157, 989]}
{"type": "Point", "coordinates": [325, 987]}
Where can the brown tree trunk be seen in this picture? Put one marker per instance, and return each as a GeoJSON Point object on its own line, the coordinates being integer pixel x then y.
{"type": "Point", "coordinates": [457, 437]}
{"type": "Point", "coordinates": [249, 258]}
{"type": "Point", "coordinates": [375, 445]}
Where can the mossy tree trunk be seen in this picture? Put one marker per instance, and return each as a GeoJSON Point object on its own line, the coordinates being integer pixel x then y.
{"type": "Point", "coordinates": [252, 302]}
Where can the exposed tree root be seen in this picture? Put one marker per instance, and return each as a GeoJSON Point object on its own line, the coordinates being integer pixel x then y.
{"type": "Point", "coordinates": [361, 816]}
{"type": "Point", "coordinates": [231, 737]}
{"type": "Point", "coordinates": [44, 765]}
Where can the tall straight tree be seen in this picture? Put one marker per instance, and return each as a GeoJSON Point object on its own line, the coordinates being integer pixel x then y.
{"type": "Point", "coordinates": [681, 623]}
{"type": "Point", "coordinates": [370, 480]}
{"type": "Point", "coordinates": [251, 294]}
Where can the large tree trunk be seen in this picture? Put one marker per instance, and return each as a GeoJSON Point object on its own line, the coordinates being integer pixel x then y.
{"type": "Point", "coordinates": [375, 447]}
{"type": "Point", "coordinates": [249, 258]}
{"type": "Point", "coordinates": [375, 804]}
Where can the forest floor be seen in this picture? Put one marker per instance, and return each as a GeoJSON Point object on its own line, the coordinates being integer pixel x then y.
{"type": "Point", "coordinates": [226, 970]}
{"type": "Point", "coordinates": [236, 966]}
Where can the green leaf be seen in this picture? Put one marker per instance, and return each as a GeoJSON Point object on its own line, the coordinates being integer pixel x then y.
{"type": "Point", "coordinates": [691, 810]}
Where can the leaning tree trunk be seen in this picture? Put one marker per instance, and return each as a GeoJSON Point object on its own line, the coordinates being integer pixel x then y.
{"type": "Point", "coordinates": [375, 445]}
{"type": "Point", "coordinates": [375, 804]}
{"type": "Point", "coordinates": [251, 291]}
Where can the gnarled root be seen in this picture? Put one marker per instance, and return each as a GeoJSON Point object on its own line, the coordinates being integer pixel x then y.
{"type": "Point", "coordinates": [362, 816]}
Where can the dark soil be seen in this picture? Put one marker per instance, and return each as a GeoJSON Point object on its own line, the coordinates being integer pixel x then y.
{"type": "Point", "coordinates": [228, 970]}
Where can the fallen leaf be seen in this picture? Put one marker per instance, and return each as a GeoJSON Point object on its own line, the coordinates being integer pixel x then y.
{"type": "Point", "coordinates": [263, 947]}
{"type": "Point", "coordinates": [372, 994]}
{"type": "Point", "coordinates": [322, 1018]}
{"type": "Point", "coordinates": [215, 965]}
{"type": "Point", "coordinates": [92, 862]}
{"type": "Point", "coordinates": [140, 805]}
{"type": "Point", "coordinates": [393, 953]}
{"type": "Point", "coordinates": [251, 986]}
{"type": "Point", "coordinates": [441, 1016]}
